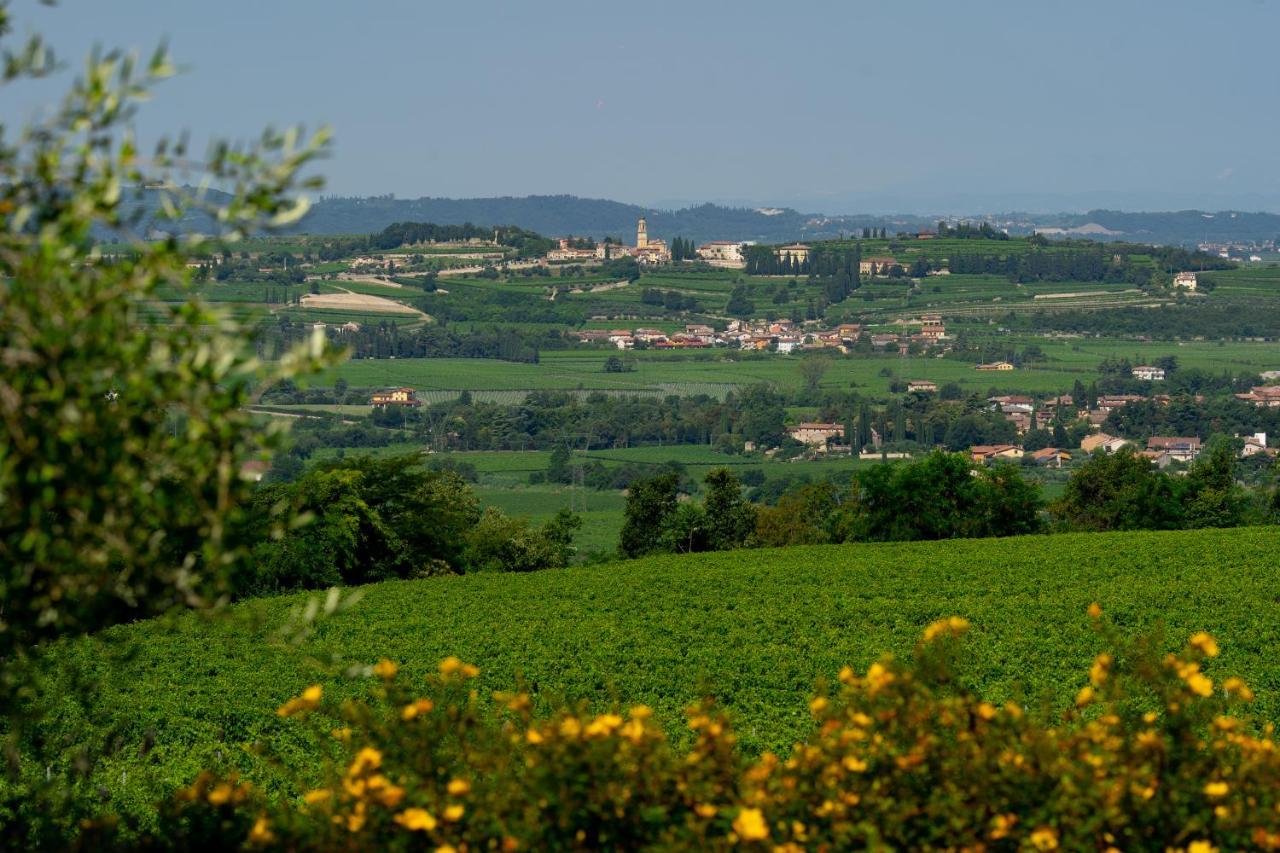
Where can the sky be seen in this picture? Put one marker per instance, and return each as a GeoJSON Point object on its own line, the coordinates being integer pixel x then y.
{"type": "Point", "coordinates": [833, 107]}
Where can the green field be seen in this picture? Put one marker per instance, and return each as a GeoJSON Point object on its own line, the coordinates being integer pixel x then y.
{"type": "Point", "coordinates": [720, 371]}
{"type": "Point", "coordinates": [754, 629]}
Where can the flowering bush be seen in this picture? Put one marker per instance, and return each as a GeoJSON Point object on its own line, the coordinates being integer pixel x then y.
{"type": "Point", "coordinates": [1152, 756]}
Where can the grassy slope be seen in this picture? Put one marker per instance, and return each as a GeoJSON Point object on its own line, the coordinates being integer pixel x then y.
{"type": "Point", "coordinates": [754, 629]}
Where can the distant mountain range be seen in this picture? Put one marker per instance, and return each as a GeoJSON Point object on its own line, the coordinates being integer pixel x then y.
{"type": "Point", "coordinates": [561, 215]}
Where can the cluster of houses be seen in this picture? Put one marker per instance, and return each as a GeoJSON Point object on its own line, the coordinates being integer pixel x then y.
{"type": "Point", "coordinates": [1026, 414]}
{"type": "Point", "coordinates": [1262, 396]}
{"type": "Point", "coordinates": [773, 335]}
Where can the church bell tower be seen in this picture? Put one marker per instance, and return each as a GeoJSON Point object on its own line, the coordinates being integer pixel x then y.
{"type": "Point", "coordinates": [642, 234]}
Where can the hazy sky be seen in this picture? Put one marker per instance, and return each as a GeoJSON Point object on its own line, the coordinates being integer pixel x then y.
{"type": "Point", "coordinates": [827, 106]}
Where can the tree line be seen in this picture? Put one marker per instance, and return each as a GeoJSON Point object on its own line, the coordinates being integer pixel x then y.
{"type": "Point", "coordinates": [944, 496]}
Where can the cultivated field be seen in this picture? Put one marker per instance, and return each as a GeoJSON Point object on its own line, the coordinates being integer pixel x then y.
{"type": "Point", "coordinates": [755, 630]}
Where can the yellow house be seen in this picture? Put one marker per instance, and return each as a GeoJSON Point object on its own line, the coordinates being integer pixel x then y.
{"type": "Point", "coordinates": [797, 252]}
{"type": "Point", "coordinates": [396, 397]}
{"type": "Point", "coordinates": [995, 365]}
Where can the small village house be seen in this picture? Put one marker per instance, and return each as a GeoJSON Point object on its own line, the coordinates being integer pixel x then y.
{"type": "Point", "coordinates": [1050, 457]}
{"type": "Point", "coordinates": [1179, 448]}
{"type": "Point", "coordinates": [395, 397]}
{"type": "Point", "coordinates": [1102, 441]}
{"type": "Point", "coordinates": [995, 365]}
{"type": "Point", "coordinates": [816, 435]}
{"type": "Point", "coordinates": [925, 386]}
{"type": "Point", "coordinates": [990, 452]}
{"type": "Point", "coordinates": [1147, 373]}
{"type": "Point", "coordinates": [1185, 280]}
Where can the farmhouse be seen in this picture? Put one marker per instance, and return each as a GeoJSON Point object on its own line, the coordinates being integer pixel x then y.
{"type": "Point", "coordinates": [988, 452]}
{"type": "Point", "coordinates": [877, 266]}
{"type": "Point", "coordinates": [924, 385]}
{"type": "Point", "coordinates": [1262, 396]}
{"type": "Point", "coordinates": [722, 253]}
{"type": "Point", "coordinates": [1147, 373]}
{"type": "Point", "coordinates": [1182, 449]}
{"type": "Point", "coordinates": [1111, 402]}
{"type": "Point", "coordinates": [1185, 280]}
{"type": "Point", "coordinates": [797, 252]}
{"type": "Point", "coordinates": [816, 435]}
{"type": "Point", "coordinates": [1009, 403]}
{"type": "Point", "coordinates": [883, 340]}
{"type": "Point", "coordinates": [849, 332]}
{"type": "Point", "coordinates": [395, 397]}
{"type": "Point", "coordinates": [995, 365]}
{"type": "Point", "coordinates": [1254, 444]}
{"type": "Point", "coordinates": [1102, 441]}
{"type": "Point", "coordinates": [1050, 457]}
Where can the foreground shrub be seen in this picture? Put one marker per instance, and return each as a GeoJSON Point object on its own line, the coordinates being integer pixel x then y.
{"type": "Point", "coordinates": [903, 756]}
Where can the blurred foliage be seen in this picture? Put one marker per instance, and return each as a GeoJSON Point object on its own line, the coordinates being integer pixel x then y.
{"type": "Point", "coordinates": [123, 439]}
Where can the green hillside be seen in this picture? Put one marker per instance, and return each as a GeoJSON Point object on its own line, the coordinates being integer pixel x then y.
{"type": "Point", "coordinates": [754, 629]}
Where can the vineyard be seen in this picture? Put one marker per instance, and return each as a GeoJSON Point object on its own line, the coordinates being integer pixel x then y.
{"type": "Point", "coordinates": [756, 630]}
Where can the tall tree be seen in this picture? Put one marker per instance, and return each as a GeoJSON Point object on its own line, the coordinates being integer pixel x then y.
{"type": "Point", "coordinates": [651, 503]}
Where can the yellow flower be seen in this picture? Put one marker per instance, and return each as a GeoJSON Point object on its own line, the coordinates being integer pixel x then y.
{"type": "Point", "coordinates": [416, 820]}
{"type": "Point", "coordinates": [854, 764]}
{"type": "Point", "coordinates": [355, 820]}
{"type": "Point", "coordinates": [308, 701]}
{"type": "Point", "coordinates": [878, 677]}
{"type": "Point", "coordinates": [391, 796]}
{"type": "Point", "coordinates": [413, 709]}
{"type": "Point", "coordinates": [459, 787]}
{"type": "Point", "coordinates": [533, 736]}
{"type": "Point", "coordinates": [1216, 789]}
{"type": "Point", "coordinates": [446, 848]}
{"type": "Point", "coordinates": [818, 704]}
{"type": "Point", "coordinates": [1101, 667]}
{"type": "Point", "coordinates": [1045, 838]}
{"type": "Point", "coordinates": [1201, 847]}
{"type": "Point", "coordinates": [367, 758]}
{"type": "Point", "coordinates": [1205, 643]}
{"type": "Point", "coordinates": [705, 810]}
{"type": "Point", "coordinates": [633, 731]}
{"type": "Point", "coordinates": [220, 795]}
{"type": "Point", "coordinates": [261, 832]}
{"type": "Point", "coordinates": [454, 812]}
{"type": "Point", "coordinates": [1001, 824]}
{"type": "Point", "coordinates": [570, 727]}
{"type": "Point", "coordinates": [1149, 739]}
{"type": "Point", "coordinates": [470, 670]}
{"type": "Point", "coordinates": [1237, 687]}
{"type": "Point", "coordinates": [986, 710]}
{"type": "Point", "coordinates": [1084, 697]}
{"type": "Point", "coordinates": [603, 725]}
{"type": "Point", "coordinates": [450, 665]}
{"type": "Point", "coordinates": [1095, 610]}
{"type": "Point", "coordinates": [1201, 685]}
{"type": "Point", "coordinates": [846, 675]}
{"type": "Point", "coordinates": [750, 825]}
{"type": "Point", "coordinates": [640, 712]}
{"type": "Point", "coordinates": [386, 669]}
{"type": "Point", "coordinates": [952, 626]}
{"type": "Point", "coordinates": [319, 795]}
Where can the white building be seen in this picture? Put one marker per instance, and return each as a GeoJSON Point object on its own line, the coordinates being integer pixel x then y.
{"type": "Point", "coordinates": [1147, 373]}
{"type": "Point", "coordinates": [1186, 280]}
{"type": "Point", "coordinates": [722, 253]}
